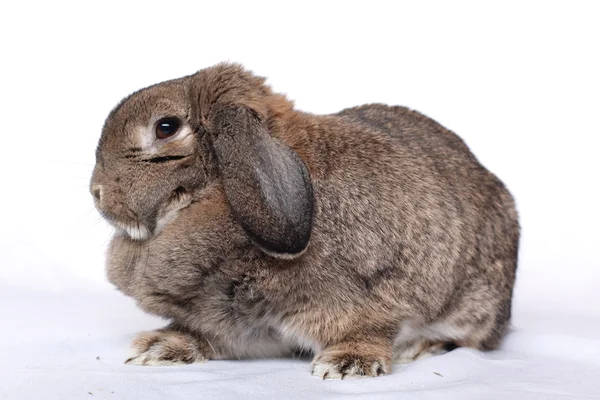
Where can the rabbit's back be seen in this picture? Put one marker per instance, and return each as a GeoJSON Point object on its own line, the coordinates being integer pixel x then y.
{"type": "Point", "coordinates": [414, 131]}
{"type": "Point", "coordinates": [442, 156]}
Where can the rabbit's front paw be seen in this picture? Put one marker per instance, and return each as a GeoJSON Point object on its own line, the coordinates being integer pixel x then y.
{"type": "Point", "coordinates": [351, 363]}
{"type": "Point", "coordinates": [168, 347]}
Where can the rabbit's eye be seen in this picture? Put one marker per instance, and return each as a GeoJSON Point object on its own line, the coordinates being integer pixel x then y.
{"type": "Point", "coordinates": [167, 127]}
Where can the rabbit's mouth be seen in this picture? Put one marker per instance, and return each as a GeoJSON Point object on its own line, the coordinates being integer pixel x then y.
{"type": "Point", "coordinates": [128, 223]}
{"type": "Point", "coordinates": [133, 228]}
{"type": "Point", "coordinates": [136, 231]}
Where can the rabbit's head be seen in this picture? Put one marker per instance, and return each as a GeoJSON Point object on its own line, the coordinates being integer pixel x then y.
{"type": "Point", "coordinates": [163, 145]}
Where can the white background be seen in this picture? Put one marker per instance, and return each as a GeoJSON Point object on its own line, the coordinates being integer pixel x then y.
{"type": "Point", "coordinates": [519, 81]}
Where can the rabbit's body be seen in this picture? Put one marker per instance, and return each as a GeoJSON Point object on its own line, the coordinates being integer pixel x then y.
{"type": "Point", "coordinates": [413, 246]}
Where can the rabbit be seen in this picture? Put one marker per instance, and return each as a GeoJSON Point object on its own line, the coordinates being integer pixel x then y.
{"type": "Point", "coordinates": [364, 238]}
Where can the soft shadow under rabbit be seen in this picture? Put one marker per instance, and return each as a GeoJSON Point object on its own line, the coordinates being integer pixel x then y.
{"type": "Point", "coordinates": [364, 237]}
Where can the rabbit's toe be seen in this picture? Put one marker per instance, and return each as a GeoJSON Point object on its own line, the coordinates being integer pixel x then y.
{"type": "Point", "coordinates": [166, 347]}
{"type": "Point", "coordinates": [348, 365]}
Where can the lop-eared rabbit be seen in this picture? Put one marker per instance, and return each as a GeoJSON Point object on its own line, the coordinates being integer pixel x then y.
{"type": "Point", "coordinates": [364, 238]}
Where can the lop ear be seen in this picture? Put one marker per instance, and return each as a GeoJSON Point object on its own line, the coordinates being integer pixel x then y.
{"type": "Point", "coordinates": [266, 182]}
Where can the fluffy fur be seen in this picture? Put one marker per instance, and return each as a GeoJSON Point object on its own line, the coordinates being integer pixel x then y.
{"type": "Point", "coordinates": [259, 230]}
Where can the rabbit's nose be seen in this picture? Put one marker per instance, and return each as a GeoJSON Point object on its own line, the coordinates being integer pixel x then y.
{"type": "Point", "coordinates": [97, 191]}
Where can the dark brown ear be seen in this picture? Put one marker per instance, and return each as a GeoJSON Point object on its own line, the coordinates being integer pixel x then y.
{"type": "Point", "coordinates": [266, 182]}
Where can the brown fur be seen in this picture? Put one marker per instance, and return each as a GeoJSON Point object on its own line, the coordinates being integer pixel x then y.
{"type": "Point", "coordinates": [361, 231]}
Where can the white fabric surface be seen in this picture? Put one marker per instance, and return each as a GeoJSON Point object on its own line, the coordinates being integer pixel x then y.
{"type": "Point", "coordinates": [69, 345]}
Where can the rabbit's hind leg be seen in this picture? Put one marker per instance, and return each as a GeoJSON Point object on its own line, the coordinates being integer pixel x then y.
{"type": "Point", "coordinates": [419, 349]}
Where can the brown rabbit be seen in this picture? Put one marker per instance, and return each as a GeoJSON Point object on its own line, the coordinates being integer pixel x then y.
{"type": "Point", "coordinates": [365, 237]}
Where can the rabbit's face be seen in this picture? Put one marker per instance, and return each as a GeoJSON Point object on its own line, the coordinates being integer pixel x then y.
{"type": "Point", "coordinates": [149, 161]}
{"type": "Point", "coordinates": [164, 144]}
